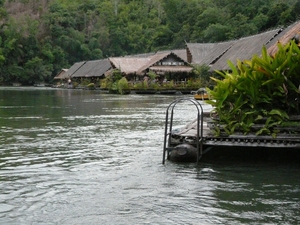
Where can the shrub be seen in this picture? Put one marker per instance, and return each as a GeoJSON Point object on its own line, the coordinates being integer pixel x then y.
{"type": "Point", "coordinates": [91, 86]}
{"type": "Point", "coordinates": [123, 85]}
{"type": "Point", "coordinates": [261, 90]}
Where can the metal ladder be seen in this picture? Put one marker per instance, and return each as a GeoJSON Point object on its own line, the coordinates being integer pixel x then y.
{"type": "Point", "coordinates": [167, 148]}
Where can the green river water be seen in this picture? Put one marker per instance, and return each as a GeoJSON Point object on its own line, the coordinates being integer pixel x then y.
{"type": "Point", "coordinates": [86, 157]}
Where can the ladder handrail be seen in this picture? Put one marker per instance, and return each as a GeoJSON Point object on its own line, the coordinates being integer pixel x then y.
{"type": "Point", "coordinates": [199, 126]}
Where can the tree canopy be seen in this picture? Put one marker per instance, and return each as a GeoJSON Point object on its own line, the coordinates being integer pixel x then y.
{"type": "Point", "coordinates": [39, 38]}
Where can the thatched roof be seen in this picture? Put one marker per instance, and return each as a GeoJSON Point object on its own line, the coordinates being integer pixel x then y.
{"type": "Point", "coordinates": [244, 49]}
{"type": "Point", "coordinates": [160, 56]}
{"type": "Point", "coordinates": [61, 75]}
{"type": "Point", "coordinates": [95, 68]}
{"type": "Point", "coordinates": [128, 65]}
{"type": "Point", "coordinates": [206, 53]}
{"type": "Point", "coordinates": [74, 68]}
{"type": "Point", "coordinates": [138, 65]}
{"type": "Point", "coordinates": [152, 60]}
{"type": "Point", "coordinates": [215, 55]}
{"type": "Point", "coordinates": [181, 53]}
{"type": "Point", "coordinates": [287, 34]}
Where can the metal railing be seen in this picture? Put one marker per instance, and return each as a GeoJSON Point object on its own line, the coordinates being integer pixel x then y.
{"type": "Point", "coordinates": [168, 147]}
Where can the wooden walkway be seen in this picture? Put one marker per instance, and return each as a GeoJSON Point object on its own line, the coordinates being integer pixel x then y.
{"type": "Point", "coordinates": [189, 134]}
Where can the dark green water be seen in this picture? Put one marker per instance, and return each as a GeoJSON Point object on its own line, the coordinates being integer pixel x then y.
{"type": "Point", "coordinates": [84, 157]}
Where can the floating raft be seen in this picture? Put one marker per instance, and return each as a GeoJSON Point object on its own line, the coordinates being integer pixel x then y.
{"type": "Point", "coordinates": [197, 138]}
{"type": "Point", "coordinates": [189, 134]}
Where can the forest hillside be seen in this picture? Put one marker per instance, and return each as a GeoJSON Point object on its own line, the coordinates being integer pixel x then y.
{"type": "Point", "coordinates": [40, 37]}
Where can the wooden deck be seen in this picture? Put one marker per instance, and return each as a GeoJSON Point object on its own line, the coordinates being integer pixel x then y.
{"type": "Point", "coordinates": [200, 135]}
{"type": "Point", "coordinates": [189, 135]}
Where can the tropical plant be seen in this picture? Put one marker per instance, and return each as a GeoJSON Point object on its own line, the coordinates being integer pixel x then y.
{"type": "Point", "coordinates": [152, 75]}
{"type": "Point", "coordinates": [263, 90]}
{"type": "Point", "coordinates": [194, 83]}
{"type": "Point", "coordinates": [202, 72]}
{"type": "Point", "coordinates": [91, 86]}
{"type": "Point", "coordinates": [123, 85]}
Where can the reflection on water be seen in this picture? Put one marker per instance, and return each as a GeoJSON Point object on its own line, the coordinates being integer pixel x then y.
{"type": "Point", "coordinates": [84, 157]}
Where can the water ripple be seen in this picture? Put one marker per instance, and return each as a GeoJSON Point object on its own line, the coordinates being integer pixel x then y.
{"type": "Point", "coordinates": [76, 157]}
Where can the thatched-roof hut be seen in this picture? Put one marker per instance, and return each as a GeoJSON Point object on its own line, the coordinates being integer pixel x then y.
{"type": "Point", "coordinates": [217, 55]}
{"type": "Point", "coordinates": [128, 65]}
{"type": "Point", "coordinates": [166, 62]}
{"type": "Point", "coordinates": [61, 75]}
{"type": "Point", "coordinates": [161, 62]}
{"type": "Point", "coordinates": [93, 69]}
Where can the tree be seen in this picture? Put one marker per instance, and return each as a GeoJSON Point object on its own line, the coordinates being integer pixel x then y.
{"type": "Point", "coordinates": [240, 26]}
{"type": "Point", "coordinates": [216, 33]}
{"type": "Point", "coordinates": [260, 21]}
{"type": "Point", "coordinates": [36, 70]}
{"type": "Point", "coordinates": [274, 14]}
{"type": "Point", "coordinates": [62, 32]}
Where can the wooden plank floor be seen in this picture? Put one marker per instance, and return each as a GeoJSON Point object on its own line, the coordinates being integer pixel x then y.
{"type": "Point", "coordinates": [188, 134]}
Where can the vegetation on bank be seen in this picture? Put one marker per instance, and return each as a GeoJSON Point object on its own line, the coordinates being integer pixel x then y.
{"type": "Point", "coordinates": [117, 83]}
{"type": "Point", "coordinates": [39, 38]}
{"type": "Point", "coordinates": [260, 95]}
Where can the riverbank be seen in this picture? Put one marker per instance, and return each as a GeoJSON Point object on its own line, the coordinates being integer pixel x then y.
{"type": "Point", "coordinates": [133, 91]}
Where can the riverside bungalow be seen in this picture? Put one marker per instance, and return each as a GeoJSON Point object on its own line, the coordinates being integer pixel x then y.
{"type": "Point", "coordinates": [129, 66]}
{"type": "Point", "coordinates": [168, 65]}
{"type": "Point", "coordinates": [162, 63]}
{"type": "Point", "coordinates": [216, 55]}
{"type": "Point", "coordinates": [177, 64]}
{"type": "Point", "coordinates": [61, 75]}
{"type": "Point", "coordinates": [61, 79]}
{"type": "Point", "coordinates": [92, 70]}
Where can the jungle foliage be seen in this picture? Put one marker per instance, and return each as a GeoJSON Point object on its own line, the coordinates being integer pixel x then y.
{"type": "Point", "coordinates": [262, 91]}
{"type": "Point", "coordinates": [39, 38]}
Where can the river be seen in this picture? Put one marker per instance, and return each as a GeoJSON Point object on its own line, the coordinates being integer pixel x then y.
{"type": "Point", "coordinates": [86, 157]}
